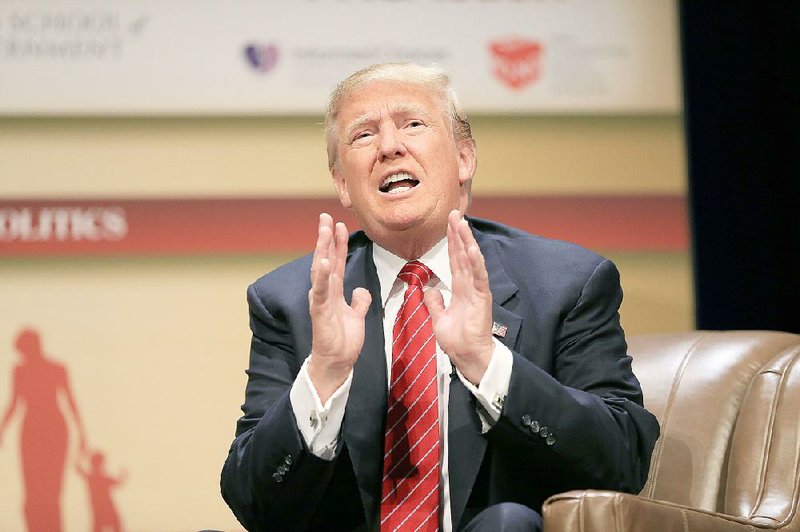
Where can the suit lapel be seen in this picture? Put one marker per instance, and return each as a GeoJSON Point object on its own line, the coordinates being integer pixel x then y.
{"type": "Point", "coordinates": [467, 445]}
{"type": "Point", "coordinates": [503, 290]}
{"type": "Point", "coordinates": [363, 424]}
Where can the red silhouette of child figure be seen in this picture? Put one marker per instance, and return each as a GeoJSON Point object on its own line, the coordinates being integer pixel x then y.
{"type": "Point", "coordinates": [39, 384]}
{"type": "Point", "coordinates": [100, 483]}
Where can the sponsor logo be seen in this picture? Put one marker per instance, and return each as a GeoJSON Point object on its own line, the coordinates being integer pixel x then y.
{"type": "Point", "coordinates": [63, 224]}
{"type": "Point", "coordinates": [516, 62]}
{"type": "Point", "coordinates": [261, 57]}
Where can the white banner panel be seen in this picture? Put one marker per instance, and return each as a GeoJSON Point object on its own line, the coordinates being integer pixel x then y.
{"type": "Point", "coordinates": [283, 57]}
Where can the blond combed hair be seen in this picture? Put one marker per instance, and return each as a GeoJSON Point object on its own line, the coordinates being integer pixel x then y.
{"type": "Point", "coordinates": [433, 77]}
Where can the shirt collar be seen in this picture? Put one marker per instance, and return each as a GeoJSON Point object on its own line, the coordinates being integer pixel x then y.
{"type": "Point", "coordinates": [388, 265]}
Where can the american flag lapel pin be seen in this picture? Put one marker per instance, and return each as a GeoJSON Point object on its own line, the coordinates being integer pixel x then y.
{"type": "Point", "coordinates": [499, 330]}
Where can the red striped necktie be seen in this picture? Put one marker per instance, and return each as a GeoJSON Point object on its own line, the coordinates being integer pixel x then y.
{"type": "Point", "coordinates": [410, 489]}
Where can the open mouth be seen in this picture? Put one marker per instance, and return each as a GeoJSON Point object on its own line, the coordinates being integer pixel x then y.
{"type": "Point", "coordinates": [397, 183]}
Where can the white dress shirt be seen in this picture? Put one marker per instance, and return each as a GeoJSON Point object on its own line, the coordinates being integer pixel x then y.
{"type": "Point", "coordinates": [320, 424]}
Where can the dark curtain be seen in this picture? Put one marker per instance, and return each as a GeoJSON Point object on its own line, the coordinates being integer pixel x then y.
{"type": "Point", "coordinates": [742, 102]}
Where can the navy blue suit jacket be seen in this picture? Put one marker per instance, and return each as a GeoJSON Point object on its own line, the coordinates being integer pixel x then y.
{"type": "Point", "coordinates": [570, 374]}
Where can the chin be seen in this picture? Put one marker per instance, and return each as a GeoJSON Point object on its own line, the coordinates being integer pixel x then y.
{"type": "Point", "coordinates": [407, 221]}
{"type": "Point", "coordinates": [390, 229]}
{"type": "Point", "coordinates": [400, 218]}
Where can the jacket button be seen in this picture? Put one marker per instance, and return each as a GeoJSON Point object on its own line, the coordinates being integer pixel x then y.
{"type": "Point", "coordinates": [277, 477]}
{"type": "Point", "coordinates": [534, 426]}
{"type": "Point", "coordinates": [544, 432]}
{"type": "Point", "coordinates": [550, 440]}
{"type": "Point", "coordinates": [526, 420]}
{"type": "Point", "coordinates": [288, 460]}
{"type": "Point", "coordinates": [282, 469]}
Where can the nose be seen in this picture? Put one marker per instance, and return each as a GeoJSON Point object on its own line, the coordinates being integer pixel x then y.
{"type": "Point", "coordinates": [391, 143]}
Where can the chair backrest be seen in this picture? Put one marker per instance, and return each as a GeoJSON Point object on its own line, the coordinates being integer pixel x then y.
{"type": "Point", "coordinates": [729, 408]}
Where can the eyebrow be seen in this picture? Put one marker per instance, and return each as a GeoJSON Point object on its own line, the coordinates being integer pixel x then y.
{"type": "Point", "coordinates": [403, 109]}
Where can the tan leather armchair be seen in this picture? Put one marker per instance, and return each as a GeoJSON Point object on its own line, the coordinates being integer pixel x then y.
{"type": "Point", "coordinates": [729, 454]}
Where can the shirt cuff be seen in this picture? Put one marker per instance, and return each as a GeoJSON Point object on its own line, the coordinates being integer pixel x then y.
{"type": "Point", "coordinates": [318, 424]}
{"type": "Point", "coordinates": [493, 388]}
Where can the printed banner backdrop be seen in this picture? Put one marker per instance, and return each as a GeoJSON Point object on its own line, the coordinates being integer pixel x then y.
{"type": "Point", "coordinates": [252, 56]}
{"type": "Point", "coordinates": [127, 243]}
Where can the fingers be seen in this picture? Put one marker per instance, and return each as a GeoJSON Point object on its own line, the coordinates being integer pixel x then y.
{"type": "Point", "coordinates": [340, 249]}
{"type": "Point", "coordinates": [435, 303]}
{"type": "Point", "coordinates": [320, 281]}
{"type": "Point", "coordinates": [480, 275]}
{"type": "Point", "coordinates": [466, 260]}
{"type": "Point", "coordinates": [477, 265]}
{"type": "Point", "coordinates": [361, 301]}
{"type": "Point", "coordinates": [328, 263]}
{"type": "Point", "coordinates": [453, 241]}
{"type": "Point", "coordinates": [321, 262]}
{"type": "Point", "coordinates": [324, 236]}
{"type": "Point", "coordinates": [457, 252]}
{"type": "Point", "coordinates": [465, 235]}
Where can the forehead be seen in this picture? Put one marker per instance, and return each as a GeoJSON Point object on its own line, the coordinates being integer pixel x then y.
{"type": "Point", "coordinates": [387, 98]}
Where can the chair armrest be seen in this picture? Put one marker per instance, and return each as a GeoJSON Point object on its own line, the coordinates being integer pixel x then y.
{"type": "Point", "coordinates": [600, 510]}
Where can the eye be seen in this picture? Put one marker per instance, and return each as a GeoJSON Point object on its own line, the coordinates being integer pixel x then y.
{"type": "Point", "coordinates": [415, 123]}
{"type": "Point", "coordinates": [362, 135]}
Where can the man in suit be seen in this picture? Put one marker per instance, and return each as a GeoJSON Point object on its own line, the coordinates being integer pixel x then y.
{"type": "Point", "coordinates": [530, 391]}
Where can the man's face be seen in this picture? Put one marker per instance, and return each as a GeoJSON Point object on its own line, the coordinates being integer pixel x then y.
{"type": "Point", "coordinates": [399, 167]}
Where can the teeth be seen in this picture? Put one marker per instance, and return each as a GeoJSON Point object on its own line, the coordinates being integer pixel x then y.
{"type": "Point", "coordinates": [398, 190]}
{"type": "Point", "coordinates": [395, 178]}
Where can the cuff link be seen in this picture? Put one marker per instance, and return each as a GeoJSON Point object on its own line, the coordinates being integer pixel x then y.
{"type": "Point", "coordinates": [499, 399]}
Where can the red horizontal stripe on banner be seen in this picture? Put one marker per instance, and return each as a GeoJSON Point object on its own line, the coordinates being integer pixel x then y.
{"type": "Point", "coordinates": [277, 225]}
{"type": "Point", "coordinates": [623, 223]}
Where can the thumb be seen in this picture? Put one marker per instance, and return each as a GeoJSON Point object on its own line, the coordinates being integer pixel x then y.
{"type": "Point", "coordinates": [361, 300]}
{"type": "Point", "coordinates": [435, 304]}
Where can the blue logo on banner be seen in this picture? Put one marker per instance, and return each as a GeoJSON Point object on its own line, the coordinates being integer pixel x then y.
{"type": "Point", "coordinates": [261, 57]}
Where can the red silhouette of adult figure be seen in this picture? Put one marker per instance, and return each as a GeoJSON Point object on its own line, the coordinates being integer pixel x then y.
{"type": "Point", "coordinates": [38, 383]}
{"type": "Point", "coordinates": [100, 483]}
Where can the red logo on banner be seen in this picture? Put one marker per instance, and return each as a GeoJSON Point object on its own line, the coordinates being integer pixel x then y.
{"type": "Point", "coordinates": [516, 62]}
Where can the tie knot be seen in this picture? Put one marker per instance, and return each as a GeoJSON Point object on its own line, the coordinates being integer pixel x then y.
{"type": "Point", "coordinates": [415, 273]}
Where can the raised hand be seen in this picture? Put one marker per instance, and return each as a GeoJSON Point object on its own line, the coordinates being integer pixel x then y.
{"type": "Point", "coordinates": [464, 328]}
{"type": "Point", "coordinates": [337, 328]}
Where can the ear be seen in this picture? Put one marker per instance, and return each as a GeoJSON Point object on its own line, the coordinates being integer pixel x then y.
{"type": "Point", "coordinates": [341, 186]}
{"type": "Point", "coordinates": [467, 161]}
